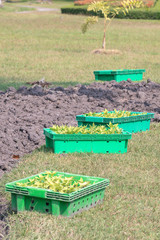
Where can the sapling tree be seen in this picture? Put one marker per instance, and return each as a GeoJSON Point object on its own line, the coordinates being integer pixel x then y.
{"type": "Point", "coordinates": [108, 12]}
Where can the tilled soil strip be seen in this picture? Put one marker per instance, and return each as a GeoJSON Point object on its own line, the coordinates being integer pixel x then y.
{"type": "Point", "coordinates": [26, 111]}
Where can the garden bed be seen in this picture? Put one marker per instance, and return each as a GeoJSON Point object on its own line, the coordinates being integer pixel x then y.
{"type": "Point", "coordinates": [26, 111]}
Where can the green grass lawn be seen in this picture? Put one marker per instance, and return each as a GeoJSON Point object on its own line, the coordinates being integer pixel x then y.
{"type": "Point", "coordinates": [131, 205]}
{"type": "Point", "coordinates": [45, 4]}
{"type": "Point", "coordinates": [9, 7]}
{"type": "Point", "coordinates": [51, 45]}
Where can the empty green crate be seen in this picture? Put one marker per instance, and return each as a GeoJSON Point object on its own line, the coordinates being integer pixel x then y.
{"type": "Point", "coordinates": [119, 75]}
{"type": "Point", "coordinates": [48, 201]}
{"type": "Point", "coordinates": [96, 143]}
{"type": "Point", "coordinates": [130, 124]}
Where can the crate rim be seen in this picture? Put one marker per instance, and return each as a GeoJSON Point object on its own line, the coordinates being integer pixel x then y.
{"type": "Point", "coordinates": [87, 137]}
{"type": "Point", "coordinates": [118, 71]}
{"type": "Point", "coordinates": [84, 118]}
{"type": "Point", "coordinates": [70, 195]}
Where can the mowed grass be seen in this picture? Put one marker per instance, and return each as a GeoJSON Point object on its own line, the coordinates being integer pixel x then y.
{"type": "Point", "coordinates": [131, 205]}
{"type": "Point", "coordinates": [51, 45]}
{"type": "Point", "coordinates": [8, 7]}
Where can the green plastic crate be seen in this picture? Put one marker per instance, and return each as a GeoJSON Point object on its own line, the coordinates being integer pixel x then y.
{"type": "Point", "coordinates": [130, 124]}
{"type": "Point", "coordinates": [48, 201]}
{"type": "Point", "coordinates": [119, 75]}
{"type": "Point", "coordinates": [96, 143]}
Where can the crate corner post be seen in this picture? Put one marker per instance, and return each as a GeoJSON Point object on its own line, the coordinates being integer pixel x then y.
{"type": "Point", "coordinates": [20, 203]}
{"type": "Point", "coordinates": [14, 202]}
{"type": "Point", "coordinates": [56, 206]}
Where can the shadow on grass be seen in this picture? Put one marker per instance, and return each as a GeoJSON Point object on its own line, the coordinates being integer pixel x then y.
{"type": "Point", "coordinates": [5, 83]}
{"type": "Point", "coordinates": [65, 84]}
{"type": "Point", "coordinates": [10, 82]}
{"type": "Point", "coordinates": [44, 149]}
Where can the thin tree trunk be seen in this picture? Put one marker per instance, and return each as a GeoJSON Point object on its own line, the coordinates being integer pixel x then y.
{"type": "Point", "coordinates": [104, 36]}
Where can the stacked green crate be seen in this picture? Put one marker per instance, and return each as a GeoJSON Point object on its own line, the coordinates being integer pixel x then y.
{"type": "Point", "coordinates": [56, 203]}
{"type": "Point", "coordinates": [119, 75]}
{"type": "Point", "coordinates": [96, 143]}
{"type": "Point", "coordinates": [131, 124]}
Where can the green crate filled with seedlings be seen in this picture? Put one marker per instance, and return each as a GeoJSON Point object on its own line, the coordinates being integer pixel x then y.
{"type": "Point", "coordinates": [96, 139]}
{"type": "Point", "coordinates": [129, 121]}
{"type": "Point", "coordinates": [119, 75]}
{"type": "Point", "coordinates": [57, 193]}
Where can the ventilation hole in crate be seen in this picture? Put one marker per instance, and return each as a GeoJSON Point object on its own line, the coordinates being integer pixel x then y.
{"type": "Point", "coordinates": [32, 201]}
{"type": "Point", "coordinates": [119, 151]}
{"type": "Point", "coordinates": [83, 201]}
{"type": "Point", "coordinates": [107, 141]}
{"type": "Point", "coordinates": [47, 210]}
{"type": "Point", "coordinates": [92, 197]}
{"type": "Point", "coordinates": [141, 130]}
{"type": "Point", "coordinates": [76, 141]}
{"type": "Point", "coordinates": [91, 204]}
{"type": "Point", "coordinates": [31, 208]}
{"type": "Point", "coordinates": [64, 141]}
{"type": "Point", "coordinates": [78, 202]}
{"type": "Point", "coordinates": [47, 203]}
{"type": "Point", "coordinates": [119, 141]}
{"type": "Point", "coordinates": [95, 202]}
{"type": "Point", "coordinates": [74, 205]}
{"type": "Point", "coordinates": [86, 205]}
{"type": "Point", "coordinates": [73, 211]}
{"type": "Point", "coordinates": [77, 210]}
{"type": "Point", "coordinates": [64, 152]}
{"type": "Point", "coordinates": [96, 195]}
{"type": "Point", "coordinates": [87, 199]}
{"type": "Point", "coordinates": [107, 151]}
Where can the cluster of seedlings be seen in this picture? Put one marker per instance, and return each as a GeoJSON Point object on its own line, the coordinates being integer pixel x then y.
{"type": "Point", "coordinates": [93, 129]}
{"type": "Point", "coordinates": [51, 181]}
